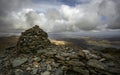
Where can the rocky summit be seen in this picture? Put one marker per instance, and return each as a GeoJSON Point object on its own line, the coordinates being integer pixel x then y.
{"type": "Point", "coordinates": [33, 39]}
{"type": "Point", "coordinates": [35, 55]}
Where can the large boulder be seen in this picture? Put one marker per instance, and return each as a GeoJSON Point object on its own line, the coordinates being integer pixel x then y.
{"type": "Point", "coordinates": [32, 39]}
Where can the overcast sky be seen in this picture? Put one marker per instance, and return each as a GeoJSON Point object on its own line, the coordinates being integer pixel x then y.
{"type": "Point", "coordinates": [60, 15]}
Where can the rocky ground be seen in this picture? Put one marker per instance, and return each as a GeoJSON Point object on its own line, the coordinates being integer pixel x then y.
{"type": "Point", "coordinates": [35, 55]}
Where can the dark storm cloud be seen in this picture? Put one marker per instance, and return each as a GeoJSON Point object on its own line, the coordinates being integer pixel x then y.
{"type": "Point", "coordinates": [6, 8]}
{"type": "Point", "coordinates": [116, 23]}
{"type": "Point", "coordinates": [59, 15]}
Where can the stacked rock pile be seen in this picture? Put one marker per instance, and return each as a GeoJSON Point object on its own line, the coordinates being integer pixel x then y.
{"type": "Point", "coordinates": [33, 39]}
{"type": "Point", "coordinates": [60, 60]}
{"type": "Point", "coordinates": [54, 60]}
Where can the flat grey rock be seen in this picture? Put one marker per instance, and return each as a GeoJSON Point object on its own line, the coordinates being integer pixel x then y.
{"type": "Point", "coordinates": [46, 73]}
{"type": "Point", "coordinates": [18, 61]}
{"type": "Point", "coordinates": [34, 71]}
{"type": "Point", "coordinates": [96, 64]}
{"type": "Point", "coordinates": [58, 72]}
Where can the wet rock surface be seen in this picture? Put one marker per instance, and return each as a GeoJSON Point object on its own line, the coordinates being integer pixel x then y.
{"type": "Point", "coordinates": [45, 58]}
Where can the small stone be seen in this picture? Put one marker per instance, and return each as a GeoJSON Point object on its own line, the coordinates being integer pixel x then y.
{"type": "Point", "coordinates": [108, 56]}
{"type": "Point", "coordinates": [36, 59]}
{"type": "Point", "coordinates": [50, 54]}
{"type": "Point", "coordinates": [1, 66]}
{"type": "Point", "coordinates": [18, 61]}
{"type": "Point", "coordinates": [48, 62]}
{"type": "Point", "coordinates": [45, 73]}
{"type": "Point", "coordinates": [64, 68]}
{"type": "Point", "coordinates": [96, 64]}
{"type": "Point", "coordinates": [41, 52]}
{"type": "Point", "coordinates": [35, 64]}
{"type": "Point", "coordinates": [76, 63]}
{"type": "Point", "coordinates": [81, 53]}
{"type": "Point", "coordinates": [81, 71]}
{"type": "Point", "coordinates": [58, 72]}
{"type": "Point", "coordinates": [55, 64]}
{"type": "Point", "coordinates": [43, 66]}
{"type": "Point", "coordinates": [21, 72]}
{"type": "Point", "coordinates": [103, 59]}
{"type": "Point", "coordinates": [90, 55]}
{"type": "Point", "coordinates": [65, 54]}
{"type": "Point", "coordinates": [34, 71]}
{"type": "Point", "coordinates": [110, 64]}
{"type": "Point", "coordinates": [28, 68]}
{"type": "Point", "coordinates": [114, 70]}
{"type": "Point", "coordinates": [49, 68]}
{"type": "Point", "coordinates": [60, 57]}
{"type": "Point", "coordinates": [73, 56]}
{"type": "Point", "coordinates": [68, 58]}
{"type": "Point", "coordinates": [92, 71]}
{"type": "Point", "coordinates": [2, 55]}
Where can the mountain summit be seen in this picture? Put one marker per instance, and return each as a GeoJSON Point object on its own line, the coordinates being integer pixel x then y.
{"type": "Point", "coordinates": [36, 55]}
{"type": "Point", "coordinates": [33, 39]}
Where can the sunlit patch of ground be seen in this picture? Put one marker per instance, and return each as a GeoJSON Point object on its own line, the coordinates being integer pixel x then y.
{"type": "Point", "coordinates": [58, 42]}
{"type": "Point", "coordinates": [6, 42]}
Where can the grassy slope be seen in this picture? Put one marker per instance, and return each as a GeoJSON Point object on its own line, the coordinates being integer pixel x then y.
{"type": "Point", "coordinates": [6, 42]}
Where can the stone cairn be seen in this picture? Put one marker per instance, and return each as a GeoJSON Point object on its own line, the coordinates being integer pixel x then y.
{"type": "Point", "coordinates": [32, 39]}
{"type": "Point", "coordinates": [51, 59]}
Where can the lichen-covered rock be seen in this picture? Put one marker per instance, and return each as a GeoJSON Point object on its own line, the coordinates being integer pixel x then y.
{"type": "Point", "coordinates": [33, 39]}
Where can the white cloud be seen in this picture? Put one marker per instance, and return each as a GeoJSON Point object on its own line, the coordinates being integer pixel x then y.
{"type": "Point", "coordinates": [65, 18]}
